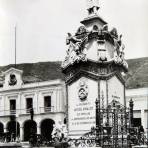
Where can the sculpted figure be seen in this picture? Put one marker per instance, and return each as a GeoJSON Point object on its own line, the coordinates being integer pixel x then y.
{"type": "Point", "coordinates": [121, 47]}
{"type": "Point", "coordinates": [118, 44]}
{"type": "Point", "coordinates": [122, 52]}
{"type": "Point", "coordinates": [72, 39]}
{"type": "Point", "coordinates": [114, 32]}
{"type": "Point", "coordinates": [75, 42]}
{"type": "Point", "coordinates": [119, 40]}
{"type": "Point", "coordinates": [81, 30]}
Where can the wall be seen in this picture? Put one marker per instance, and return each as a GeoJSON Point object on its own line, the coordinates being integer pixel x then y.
{"type": "Point", "coordinates": [36, 91]}
{"type": "Point", "coordinates": [140, 98]}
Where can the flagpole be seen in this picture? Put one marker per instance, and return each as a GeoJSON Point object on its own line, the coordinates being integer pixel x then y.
{"type": "Point", "coordinates": [16, 128]}
{"type": "Point", "coordinates": [147, 121]}
{"type": "Point", "coordinates": [15, 44]}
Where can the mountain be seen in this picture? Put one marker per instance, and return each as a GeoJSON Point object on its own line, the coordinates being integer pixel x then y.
{"type": "Point", "coordinates": [37, 72]}
{"type": "Point", "coordinates": [137, 76]}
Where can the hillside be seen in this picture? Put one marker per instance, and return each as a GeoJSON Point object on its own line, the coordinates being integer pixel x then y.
{"type": "Point", "coordinates": [137, 76]}
{"type": "Point", "coordinates": [37, 72]}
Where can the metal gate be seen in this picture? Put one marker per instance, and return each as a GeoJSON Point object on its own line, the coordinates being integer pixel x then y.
{"type": "Point", "coordinates": [112, 126]}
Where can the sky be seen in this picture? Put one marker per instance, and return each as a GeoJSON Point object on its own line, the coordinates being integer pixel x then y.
{"type": "Point", "coordinates": [42, 27]}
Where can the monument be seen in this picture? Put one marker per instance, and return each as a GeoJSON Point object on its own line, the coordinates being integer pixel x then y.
{"type": "Point", "coordinates": [97, 114]}
{"type": "Point", "coordinates": [93, 69]}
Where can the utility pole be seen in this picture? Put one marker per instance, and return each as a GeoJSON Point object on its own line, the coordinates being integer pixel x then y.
{"type": "Point", "coordinates": [147, 122]}
{"type": "Point", "coordinates": [98, 126]}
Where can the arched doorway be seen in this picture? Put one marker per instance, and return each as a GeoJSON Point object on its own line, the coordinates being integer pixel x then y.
{"type": "Point", "coordinates": [46, 129]}
{"type": "Point", "coordinates": [13, 128]}
{"type": "Point", "coordinates": [30, 127]}
{"type": "Point", "coordinates": [1, 130]}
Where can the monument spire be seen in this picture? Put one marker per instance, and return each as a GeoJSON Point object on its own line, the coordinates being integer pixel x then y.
{"type": "Point", "coordinates": [92, 6]}
{"type": "Point", "coordinates": [93, 16]}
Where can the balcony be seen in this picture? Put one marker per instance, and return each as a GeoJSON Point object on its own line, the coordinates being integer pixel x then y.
{"type": "Point", "coordinates": [12, 112]}
{"type": "Point", "coordinates": [41, 110]}
{"type": "Point", "coordinates": [15, 112]}
{"type": "Point", "coordinates": [47, 109]}
{"type": "Point", "coordinates": [27, 110]}
{"type": "Point", "coordinates": [8, 112]}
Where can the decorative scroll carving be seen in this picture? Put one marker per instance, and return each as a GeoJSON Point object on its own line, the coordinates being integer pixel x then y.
{"type": "Point", "coordinates": [76, 50]}
{"type": "Point", "coordinates": [92, 6]}
{"type": "Point", "coordinates": [12, 80]}
{"type": "Point", "coordinates": [83, 90]}
{"type": "Point", "coordinates": [77, 45]}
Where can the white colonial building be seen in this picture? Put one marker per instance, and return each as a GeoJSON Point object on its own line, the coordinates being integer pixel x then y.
{"type": "Point", "coordinates": [47, 98]}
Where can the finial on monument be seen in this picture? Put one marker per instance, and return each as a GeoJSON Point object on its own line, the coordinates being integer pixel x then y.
{"type": "Point", "coordinates": [92, 6]}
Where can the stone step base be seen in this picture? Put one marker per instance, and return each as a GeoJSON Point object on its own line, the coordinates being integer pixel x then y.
{"type": "Point", "coordinates": [140, 146]}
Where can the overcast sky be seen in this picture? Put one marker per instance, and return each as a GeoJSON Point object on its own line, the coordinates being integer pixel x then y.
{"type": "Point", "coordinates": [42, 26]}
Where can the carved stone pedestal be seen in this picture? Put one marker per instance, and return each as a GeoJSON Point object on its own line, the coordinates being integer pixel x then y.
{"type": "Point", "coordinates": [140, 146]}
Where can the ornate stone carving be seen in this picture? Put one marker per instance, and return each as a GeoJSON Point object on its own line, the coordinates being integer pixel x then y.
{"type": "Point", "coordinates": [73, 41]}
{"type": "Point", "coordinates": [12, 80]}
{"type": "Point", "coordinates": [81, 31]}
{"type": "Point", "coordinates": [83, 90]}
{"type": "Point", "coordinates": [77, 45]}
{"type": "Point", "coordinates": [92, 6]}
{"type": "Point", "coordinates": [114, 32]}
{"type": "Point", "coordinates": [76, 50]}
{"type": "Point", "coordinates": [120, 61]}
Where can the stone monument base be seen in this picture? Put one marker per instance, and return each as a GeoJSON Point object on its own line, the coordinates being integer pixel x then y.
{"type": "Point", "coordinates": [10, 145]}
{"type": "Point", "coordinates": [140, 146]}
{"type": "Point", "coordinates": [87, 147]}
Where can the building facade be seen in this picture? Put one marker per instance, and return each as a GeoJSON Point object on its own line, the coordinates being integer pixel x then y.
{"type": "Point", "coordinates": [47, 99]}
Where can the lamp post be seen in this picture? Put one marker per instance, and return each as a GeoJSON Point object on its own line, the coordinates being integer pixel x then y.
{"type": "Point", "coordinates": [147, 122]}
{"type": "Point", "coordinates": [31, 131]}
{"type": "Point", "coordinates": [98, 126]}
{"type": "Point", "coordinates": [31, 113]}
{"type": "Point", "coordinates": [131, 105]}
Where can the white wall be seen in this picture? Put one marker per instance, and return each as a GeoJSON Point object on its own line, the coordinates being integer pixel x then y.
{"type": "Point", "coordinates": [140, 98]}
{"type": "Point", "coordinates": [36, 91]}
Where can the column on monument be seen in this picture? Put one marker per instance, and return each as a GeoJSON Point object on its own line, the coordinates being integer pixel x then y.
{"type": "Point", "coordinates": [143, 122]}
{"type": "Point", "coordinates": [5, 128]}
{"type": "Point", "coordinates": [21, 133]}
